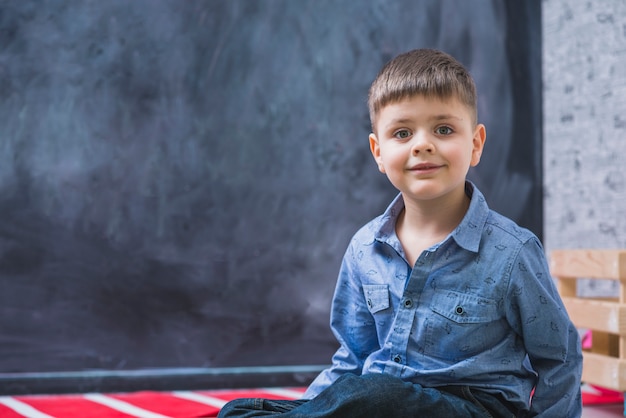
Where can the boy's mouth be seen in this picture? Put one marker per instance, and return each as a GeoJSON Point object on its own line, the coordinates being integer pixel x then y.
{"type": "Point", "coordinates": [423, 167]}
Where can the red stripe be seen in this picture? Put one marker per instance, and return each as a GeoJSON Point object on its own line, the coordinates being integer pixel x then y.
{"type": "Point", "coordinates": [70, 406]}
{"type": "Point", "coordinates": [6, 412]}
{"type": "Point", "coordinates": [166, 404]}
{"type": "Point", "coordinates": [76, 406]}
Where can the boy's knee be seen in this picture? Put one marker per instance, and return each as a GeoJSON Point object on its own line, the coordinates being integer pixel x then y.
{"type": "Point", "coordinates": [235, 407]}
{"type": "Point", "coordinates": [227, 409]}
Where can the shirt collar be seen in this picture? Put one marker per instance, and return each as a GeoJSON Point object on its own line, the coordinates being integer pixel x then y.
{"type": "Point", "coordinates": [467, 234]}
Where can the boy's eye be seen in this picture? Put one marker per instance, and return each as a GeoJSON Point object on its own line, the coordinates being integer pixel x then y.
{"type": "Point", "coordinates": [443, 130]}
{"type": "Point", "coordinates": [402, 134]}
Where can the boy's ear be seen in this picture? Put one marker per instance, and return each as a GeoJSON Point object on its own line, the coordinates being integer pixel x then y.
{"type": "Point", "coordinates": [375, 148]}
{"type": "Point", "coordinates": [480, 135]}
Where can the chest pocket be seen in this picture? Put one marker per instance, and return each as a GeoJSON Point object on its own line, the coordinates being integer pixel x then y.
{"type": "Point", "coordinates": [462, 326]}
{"type": "Point", "coordinates": [376, 297]}
{"type": "Point", "coordinates": [464, 309]}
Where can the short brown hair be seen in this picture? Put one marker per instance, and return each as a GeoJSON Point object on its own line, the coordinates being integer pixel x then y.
{"type": "Point", "coordinates": [426, 72]}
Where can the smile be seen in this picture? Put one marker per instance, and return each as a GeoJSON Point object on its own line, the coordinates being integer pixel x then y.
{"type": "Point", "coordinates": [424, 167]}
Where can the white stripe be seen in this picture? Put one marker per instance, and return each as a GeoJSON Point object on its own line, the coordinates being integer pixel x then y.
{"type": "Point", "coordinates": [288, 393]}
{"type": "Point", "coordinates": [122, 406]}
{"type": "Point", "coordinates": [22, 408]}
{"type": "Point", "coordinates": [203, 399]}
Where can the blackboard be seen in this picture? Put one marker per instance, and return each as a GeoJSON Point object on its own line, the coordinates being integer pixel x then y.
{"type": "Point", "coordinates": [179, 180]}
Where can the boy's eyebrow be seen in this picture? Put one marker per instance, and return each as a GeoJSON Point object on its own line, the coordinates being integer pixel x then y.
{"type": "Point", "coordinates": [444, 116]}
{"type": "Point", "coordinates": [399, 121]}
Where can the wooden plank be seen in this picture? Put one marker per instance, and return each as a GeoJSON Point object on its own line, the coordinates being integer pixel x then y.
{"type": "Point", "coordinates": [588, 264]}
{"type": "Point", "coordinates": [604, 371]}
{"type": "Point", "coordinates": [567, 287]}
{"type": "Point", "coordinates": [595, 314]}
{"type": "Point", "coordinates": [605, 343]}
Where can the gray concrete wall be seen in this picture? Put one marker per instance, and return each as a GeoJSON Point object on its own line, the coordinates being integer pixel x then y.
{"type": "Point", "coordinates": [584, 76]}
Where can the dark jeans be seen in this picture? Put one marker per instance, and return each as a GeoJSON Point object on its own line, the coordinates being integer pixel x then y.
{"type": "Point", "coordinates": [376, 395]}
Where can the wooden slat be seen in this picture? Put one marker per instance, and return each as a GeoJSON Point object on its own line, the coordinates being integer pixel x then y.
{"type": "Point", "coordinates": [605, 364]}
{"type": "Point", "coordinates": [597, 314]}
{"type": "Point", "coordinates": [604, 371]}
{"type": "Point", "coordinates": [567, 287]}
{"type": "Point", "coordinates": [588, 264]}
{"type": "Point", "coordinates": [605, 344]}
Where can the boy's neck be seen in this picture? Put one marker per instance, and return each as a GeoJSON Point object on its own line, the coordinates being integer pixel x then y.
{"type": "Point", "coordinates": [423, 224]}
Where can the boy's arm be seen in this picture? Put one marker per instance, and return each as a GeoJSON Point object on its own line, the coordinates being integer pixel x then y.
{"type": "Point", "coordinates": [536, 312]}
{"type": "Point", "coordinates": [353, 326]}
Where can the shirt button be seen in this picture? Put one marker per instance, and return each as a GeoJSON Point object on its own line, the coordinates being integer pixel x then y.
{"type": "Point", "coordinates": [397, 358]}
{"type": "Point", "coordinates": [408, 303]}
{"type": "Point", "coordinates": [369, 303]}
{"type": "Point", "coordinates": [459, 310]}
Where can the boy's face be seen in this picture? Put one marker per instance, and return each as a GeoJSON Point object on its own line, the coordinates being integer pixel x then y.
{"type": "Point", "coordinates": [426, 146]}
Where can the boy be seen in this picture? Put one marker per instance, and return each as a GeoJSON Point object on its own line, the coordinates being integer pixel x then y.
{"type": "Point", "coordinates": [443, 308]}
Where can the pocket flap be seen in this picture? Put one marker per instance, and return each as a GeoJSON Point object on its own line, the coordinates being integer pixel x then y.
{"type": "Point", "coordinates": [464, 308]}
{"type": "Point", "coordinates": [376, 296]}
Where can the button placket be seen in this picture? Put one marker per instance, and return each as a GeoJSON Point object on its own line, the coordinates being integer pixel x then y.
{"type": "Point", "coordinates": [405, 315]}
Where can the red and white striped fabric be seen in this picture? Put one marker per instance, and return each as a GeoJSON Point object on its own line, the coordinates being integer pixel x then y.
{"type": "Point", "coordinates": [178, 404]}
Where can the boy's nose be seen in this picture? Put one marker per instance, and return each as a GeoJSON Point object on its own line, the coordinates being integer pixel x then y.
{"type": "Point", "coordinates": [422, 143]}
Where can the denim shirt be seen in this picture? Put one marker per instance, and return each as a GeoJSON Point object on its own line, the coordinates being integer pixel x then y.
{"type": "Point", "coordinates": [478, 309]}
